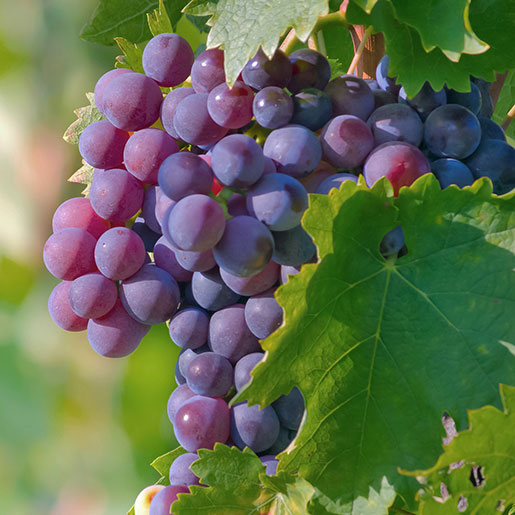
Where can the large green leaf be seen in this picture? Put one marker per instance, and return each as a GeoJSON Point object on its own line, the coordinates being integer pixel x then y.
{"type": "Point", "coordinates": [505, 102]}
{"type": "Point", "coordinates": [488, 444]}
{"type": "Point", "coordinates": [120, 18]}
{"type": "Point", "coordinates": [242, 27]}
{"type": "Point", "coordinates": [380, 349]}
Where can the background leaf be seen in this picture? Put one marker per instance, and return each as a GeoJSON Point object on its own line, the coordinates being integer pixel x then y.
{"type": "Point", "coordinates": [505, 103]}
{"type": "Point", "coordinates": [85, 116]}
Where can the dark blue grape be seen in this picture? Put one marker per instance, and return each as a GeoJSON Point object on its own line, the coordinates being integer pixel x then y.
{"type": "Point", "coordinates": [425, 101]}
{"type": "Point", "coordinates": [272, 107]}
{"type": "Point", "coordinates": [210, 291]}
{"type": "Point", "coordinates": [311, 108]}
{"type": "Point", "coordinates": [470, 100]}
{"type": "Point", "coordinates": [310, 69]}
{"type": "Point", "coordinates": [385, 82]}
{"type": "Point", "coordinates": [293, 247]}
{"type": "Point", "coordinates": [350, 95]}
{"type": "Point", "coordinates": [261, 72]}
{"type": "Point", "coordinates": [451, 171]}
{"type": "Point", "coordinates": [392, 242]}
{"type": "Point", "coordinates": [490, 129]}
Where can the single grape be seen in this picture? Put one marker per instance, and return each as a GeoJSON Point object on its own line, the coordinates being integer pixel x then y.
{"type": "Point", "coordinates": [310, 69]}
{"type": "Point", "coordinates": [346, 141]}
{"type": "Point", "coordinates": [180, 471]}
{"type": "Point", "coordinates": [263, 314]}
{"type": "Point", "coordinates": [350, 95]}
{"type": "Point", "coordinates": [209, 374]}
{"type": "Point", "coordinates": [293, 247]}
{"type": "Point", "coordinates": [277, 200]}
{"type": "Point", "coordinates": [201, 422]}
{"type": "Point", "coordinates": [487, 105]}
{"type": "Point", "coordinates": [132, 101]}
{"type": "Point", "coordinates": [178, 397]}
{"type": "Point", "coordinates": [396, 122]}
{"type": "Point", "coordinates": [261, 72]}
{"type": "Point", "coordinates": [471, 100]}
{"type": "Point", "coordinates": [61, 311]}
{"type": "Point", "coordinates": [290, 408]}
{"type": "Point", "coordinates": [231, 107]}
{"type": "Point", "coordinates": [115, 194]}
{"type": "Point", "coordinates": [69, 253]}
{"type": "Point", "coordinates": [102, 84]}
{"type": "Point", "coordinates": [193, 124]}
{"type": "Point", "coordinates": [272, 107]}
{"type": "Point", "coordinates": [148, 209]}
{"type": "Point", "coordinates": [425, 101]}
{"type": "Point", "coordinates": [237, 205]}
{"type": "Point", "coordinates": [252, 427]}
{"type": "Point", "coordinates": [184, 174]}
{"type": "Point", "coordinates": [167, 58]}
{"type": "Point", "coordinates": [452, 131]}
{"type": "Point", "coordinates": [210, 291]}
{"type": "Point", "coordinates": [249, 259]}
{"type": "Point", "coordinates": [116, 334]}
{"type": "Point", "coordinates": [311, 108]}
{"type": "Point", "coordinates": [189, 328]}
{"type": "Point", "coordinates": [255, 284]}
{"type": "Point", "coordinates": [151, 296]}
{"type": "Point", "coordinates": [451, 171]}
{"type": "Point", "coordinates": [77, 212]}
{"type": "Point", "coordinates": [92, 295]}
{"type": "Point", "coordinates": [243, 367]}
{"type": "Point", "coordinates": [400, 162]}
{"type": "Point", "coordinates": [333, 181]}
{"type": "Point", "coordinates": [270, 464]}
{"type": "Point", "coordinates": [208, 70]}
{"type": "Point", "coordinates": [385, 82]}
{"type": "Point", "coordinates": [392, 242]}
{"type": "Point", "coordinates": [490, 129]}
{"type": "Point", "coordinates": [119, 253]}
{"type": "Point", "coordinates": [169, 106]}
{"type": "Point", "coordinates": [229, 334]}
{"type": "Point", "coordinates": [165, 258]}
{"type": "Point", "coordinates": [101, 144]}
{"type": "Point", "coordinates": [197, 223]}
{"type": "Point", "coordinates": [237, 161]}
{"type": "Point", "coordinates": [295, 150]}
{"type": "Point", "coordinates": [148, 236]}
{"type": "Point", "coordinates": [162, 502]}
{"type": "Point", "coordinates": [195, 261]}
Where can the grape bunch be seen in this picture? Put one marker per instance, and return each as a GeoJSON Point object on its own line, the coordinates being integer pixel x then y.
{"type": "Point", "coordinates": [192, 221]}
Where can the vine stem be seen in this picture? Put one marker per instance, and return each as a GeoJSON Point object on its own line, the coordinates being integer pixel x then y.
{"type": "Point", "coordinates": [312, 42]}
{"type": "Point", "coordinates": [509, 118]}
{"type": "Point", "coordinates": [289, 42]}
{"type": "Point", "coordinates": [359, 51]}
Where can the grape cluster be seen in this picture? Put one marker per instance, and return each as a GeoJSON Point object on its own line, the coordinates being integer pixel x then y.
{"type": "Point", "coordinates": [155, 243]}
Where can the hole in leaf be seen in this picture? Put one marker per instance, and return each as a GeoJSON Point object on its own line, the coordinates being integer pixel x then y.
{"type": "Point", "coordinates": [393, 243]}
{"type": "Point", "coordinates": [476, 476]}
{"type": "Point", "coordinates": [450, 428]}
{"type": "Point", "coordinates": [462, 504]}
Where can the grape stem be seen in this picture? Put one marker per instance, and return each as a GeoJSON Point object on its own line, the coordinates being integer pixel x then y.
{"type": "Point", "coordinates": [312, 42]}
{"type": "Point", "coordinates": [509, 118]}
{"type": "Point", "coordinates": [359, 51]}
{"type": "Point", "coordinates": [289, 42]}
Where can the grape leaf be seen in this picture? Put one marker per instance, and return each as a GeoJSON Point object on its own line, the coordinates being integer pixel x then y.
{"type": "Point", "coordinates": [85, 116]}
{"type": "Point", "coordinates": [505, 102]}
{"type": "Point", "coordinates": [84, 175]}
{"type": "Point", "coordinates": [488, 443]}
{"type": "Point", "coordinates": [119, 18]}
{"type": "Point", "coordinates": [493, 21]}
{"type": "Point", "coordinates": [159, 21]}
{"type": "Point", "coordinates": [381, 348]}
{"type": "Point", "coordinates": [132, 55]}
{"type": "Point", "coordinates": [242, 27]}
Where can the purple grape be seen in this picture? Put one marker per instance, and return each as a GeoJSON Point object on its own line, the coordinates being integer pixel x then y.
{"type": "Point", "coordinates": [69, 253]}
{"type": "Point", "coordinates": [255, 284]}
{"type": "Point", "coordinates": [148, 210]}
{"type": "Point", "coordinates": [243, 367]}
{"type": "Point", "coordinates": [272, 107]}
{"type": "Point", "coordinates": [115, 194]}
{"type": "Point", "coordinates": [148, 236]}
{"type": "Point", "coordinates": [151, 296]}
{"type": "Point", "coordinates": [77, 212]}
{"type": "Point", "coordinates": [60, 309]}
{"type": "Point", "coordinates": [102, 83]}
{"type": "Point", "coordinates": [425, 101]}
{"type": "Point", "coordinates": [270, 464]}
{"type": "Point", "coordinates": [132, 101]}
{"type": "Point", "coordinates": [165, 258]}
{"type": "Point", "coordinates": [295, 150]}
{"type": "Point", "coordinates": [162, 502]}
{"type": "Point", "coordinates": [261, 72]}
{"type": "Point", "coordinates": [229, 334]}
{"type": "Point", "coordinates": [489, 129]}
{"type": "Point", "coordinates": [254, 428]}
{"type": "Point", "coordinates": [195, 261]}
{"type": "Point", "coordinates": [237, 205]}
{"type": "Point", "coordinates": [210, 291]}
{"type": "Point", "coordinates": [208, 70]}
{"type": "Point", "coordinates": [396, 122]}
{"type": "Point", "coordinates": [167, 58]}
{"type": "Point", "coordinates": [269, 166]}
{"type": "Point", "coordinates": [247, 260]}
{"type": "Point", "coordinates": [392, 242]}
{"type": "Point", "coordinates": [189, 328]}
{"type": "Point", "coordinates": [196, 223]}
{"type": "Point", "coordinates": [145, 151]}
{"type": "Point", "coordinates": [209, 374]}
{"type": "Point", "coordinates": [231, 107]}
{"type": "Point", "coordinates": [290, 408]}
{"type": "Point", "coordinates": [116, 334]}
{"type": "Point", "coordinates": [119, 253]}
{"type": "Point", "coordinates": [193, 124]}
{"type": "Point", "coordinates": [334, 181]}
{"type": "Point", "coordinates": [346, 141]}
{"type": "Point", "coordinates": [180, 471]}
{"type": "Point", "coordinates": [92, 295]}
{"type": "Point", "coordinates": [286, 271]}
{"type": "Point", "coordinates": [487, 105]}
{"type": "Point", "coordinates": [451, 171]}
{"type": "Point", "coordinates": [351, 95]}
{"type": "Point", "coordinates": [263, 314]}
{"type": "Point", "coordinates": [169, 106]}
{"type": "Point", "coordinates": [385, 82]}
{"type": "Point", "coordinates": [163, 204]}
{"type": "Point", "coordinates": [277, 200]}
{"type": "Point", "coordinates": [452, 131]}
{"type": "Point", "coordinates": [237, 161]}
{"type": "Point", "coordinates": [184, 174]}
{"type": "Point", "coordinates": [186, 356]}
{"type": "Point", "coordinates": [178, 397]}
{"type": "Point", "coordinates": [310, 69]}
{"type": "Point", "coordinates": [471, 100]}
{"type": "Point", "coordinates": [201, 422]}
{"type": "Point", "coordinates": [101, 144]}
{"type": "Point", "coordinates": [312, 108]}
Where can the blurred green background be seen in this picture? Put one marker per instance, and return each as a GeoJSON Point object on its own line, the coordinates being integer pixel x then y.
{"type": "Point", "coordinates": [77, 431]}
